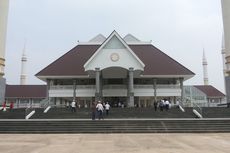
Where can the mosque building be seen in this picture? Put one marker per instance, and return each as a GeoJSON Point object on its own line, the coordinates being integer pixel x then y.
{"type": "Point", "coordinates": [113, 69]}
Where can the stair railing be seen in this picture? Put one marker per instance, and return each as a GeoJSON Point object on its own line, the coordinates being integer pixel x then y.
{"type": "Point", "coordinates": [197, 108]}
{"type": "Point", "coordinates": [44, 103]}
{"type": "Point", "coordinates": [28, 110]}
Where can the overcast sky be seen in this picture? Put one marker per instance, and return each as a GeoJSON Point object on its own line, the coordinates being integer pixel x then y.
{"type": "Point", "coordinates": [180, 28]}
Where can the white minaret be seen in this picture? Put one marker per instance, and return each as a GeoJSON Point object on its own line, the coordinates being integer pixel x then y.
{"type": "Point", "coordinates": [226, 20]}
{"type": "Point", "coordinates": [223, 56]}
{"type": "Point", "coordinates": [23, 66]}
{"type": "Point", "coordinates": [4, 7]}
{"type": "Point", "coordinates": [226, 24]}
{"type": "Point", "coordinates": [205, 69]}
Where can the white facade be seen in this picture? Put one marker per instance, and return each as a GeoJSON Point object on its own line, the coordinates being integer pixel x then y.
{"type": "Point", "coordinates": [114, 53]}
{"type": "Point", "coordinates": [114, 73]}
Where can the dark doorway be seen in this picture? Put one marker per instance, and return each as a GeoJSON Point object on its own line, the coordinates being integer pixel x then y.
{"type": "Point", "coordinates": [116, 101]}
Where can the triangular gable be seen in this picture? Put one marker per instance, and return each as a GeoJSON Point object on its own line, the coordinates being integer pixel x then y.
{"type": "Point", "coordinates": [98, 38]}
{"type": "Point", "coordinates": [130, 38]}
{"type": "Point", "coordinates": [115, 42]}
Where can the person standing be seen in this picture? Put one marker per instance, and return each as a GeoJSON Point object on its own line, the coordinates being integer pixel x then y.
{"type": "Point", "coordinates": [73, 106]}
{"type": "Point", "coordinates": [155, 105]}
{"type": "Point", "coordinates": [167, 104]}
{"type": "Point", "coordinates": [11, 106]}
{"type": "Point", "coordinates": [107, 107]}
{"type": "Point", "coordinates": [93, 110]}
{"type": "Point", "coordinates": [100, 109]}
{"type": "Point", "coordinates": [4, 107]}
{"type": "Point", "coordinates": [162, 105]}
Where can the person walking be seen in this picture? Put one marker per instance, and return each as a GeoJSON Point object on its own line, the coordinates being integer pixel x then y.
{"type": "Point", "coordinates": [100, 109]}
{"type": "Point", "coordinates": [107, 107]}
{"type": "Point", "coordinates": [73, 106]}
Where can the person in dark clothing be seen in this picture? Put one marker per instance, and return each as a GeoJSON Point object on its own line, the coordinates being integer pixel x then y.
{"type": "Point", "coordinates": [155, 105]}
{"type": "Point", "coordinates": [161, 105]}
{"type": "Point", "coordinates": [93, 110]}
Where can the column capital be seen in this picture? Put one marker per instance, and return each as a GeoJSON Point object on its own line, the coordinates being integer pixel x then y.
{"type": "Point", "coordinates": [97, 69]}
{"type": "Point", "coordinates": [131, 69]}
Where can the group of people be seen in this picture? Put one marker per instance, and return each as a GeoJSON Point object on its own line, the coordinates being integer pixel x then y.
{"type": "Point", "coordinates": [163, 104]}
{"type": "Point", "coordinates": [4, 106]}
{"type": "Point", "coordinates": [98, 109]}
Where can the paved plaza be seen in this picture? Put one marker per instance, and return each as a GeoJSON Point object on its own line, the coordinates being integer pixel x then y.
{"type": "Point", "coordinates": [115, 143]}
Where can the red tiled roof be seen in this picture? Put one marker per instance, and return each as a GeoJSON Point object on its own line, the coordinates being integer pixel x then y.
{"type": "Point", "coordinates": [156, 62]}
{"type": "Point", "coordinates": [210, 91]}
{"type": "Point", "coordinates": [71, 63]}
{"type": "Point", "coordinates": [26, 91]}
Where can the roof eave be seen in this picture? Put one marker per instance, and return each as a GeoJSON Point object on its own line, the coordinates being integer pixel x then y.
{"type": "Point", "coordinates": [44, 78]}
{"type": "Point", "coordinates": [186, 77]}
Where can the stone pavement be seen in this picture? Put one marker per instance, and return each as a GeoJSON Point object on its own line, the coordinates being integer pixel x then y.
{"type": "Point", "coordinates": [115, 143]}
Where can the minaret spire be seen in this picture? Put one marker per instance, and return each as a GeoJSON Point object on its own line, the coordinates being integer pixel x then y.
{"type": "Point", "coordinates": [205, 69]}
{"type": "Point", "coordinates": [23, 66]}
{"type": "Point", "coordinates": [223, 52]}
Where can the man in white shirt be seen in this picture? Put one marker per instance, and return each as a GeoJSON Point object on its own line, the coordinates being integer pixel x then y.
{"type": "Point", "coordinates": [73, 106]}
{"type": "Point", "coordinates": [100, 109]}
{"type": "Point", "coordinates": [167, 104]}
{"type": "Point", "coordinates": [107, 107]}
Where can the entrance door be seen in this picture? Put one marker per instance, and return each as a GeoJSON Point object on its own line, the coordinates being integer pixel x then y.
{"type": "Point", "coordinates": [115, 101]}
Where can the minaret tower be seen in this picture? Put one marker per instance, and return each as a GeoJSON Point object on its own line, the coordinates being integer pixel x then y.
{"type": "Point", "coordinates": [23, 66]}
{"type": "Point", "coordinates": [223, 56]}
{"type": "Point", "coordinates": [205, 69]}
{"type": "Point", "coordinates": [4, 7]}
{"type": "Point", "coordinates": [226, 24]}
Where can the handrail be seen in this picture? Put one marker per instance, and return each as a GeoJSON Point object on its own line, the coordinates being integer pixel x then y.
{"type": "Point", "coordinates": [198, 108]}
{"type": "Point", "coordinates": [28, 110]}
{"type": "Point", "coordinates": [44, 103]}
{"type": "Point", "coordinates": [118, 86]}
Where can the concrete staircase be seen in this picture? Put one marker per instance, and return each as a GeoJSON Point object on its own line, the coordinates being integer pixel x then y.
{"type": "Point", "coordinates": [116, 126]}
{"type": "Point", "coordinates": [216, 112]}
{"type": "Point", "coordinates": [13, 114]}
{"type": "Point", "coordinates": [117, 113]}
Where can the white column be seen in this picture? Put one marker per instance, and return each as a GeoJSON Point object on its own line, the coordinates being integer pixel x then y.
{"type": "Point", "coordinates": [4, 7]}
{"type": "Point", "coordinates": [74, 89]}
{"type": "Point", "coordinates": [48, 88]}
{"type": "Point", "coordinates": [155, 89]}
{"type": "Point", "coordinates": [182, 90]}
{"type": "Point", "coordinates": [131, 91]}
{"type": "Point", "coordinates": [97, 94]}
